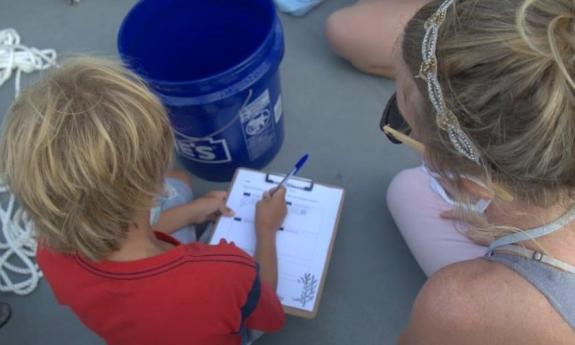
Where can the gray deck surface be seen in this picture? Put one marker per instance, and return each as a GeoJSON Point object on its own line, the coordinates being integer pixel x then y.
{"type": "Point", "coordinates": [332, 112]}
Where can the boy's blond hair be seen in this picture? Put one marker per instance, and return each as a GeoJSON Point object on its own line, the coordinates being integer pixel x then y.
{"type": "Point", "coordinates": [84, 150]}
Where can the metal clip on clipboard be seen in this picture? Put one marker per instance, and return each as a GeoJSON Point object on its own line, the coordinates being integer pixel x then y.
{"type": "Point", "coordinates": [294, 182]}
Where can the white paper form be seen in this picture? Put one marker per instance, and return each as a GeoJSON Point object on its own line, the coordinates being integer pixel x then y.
{"type": "Point", "coordinates": [303, 241]}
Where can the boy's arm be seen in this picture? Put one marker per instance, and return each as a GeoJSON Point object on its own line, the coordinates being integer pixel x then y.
{"type": "Point", "coordinates": [175, 218]}
{"type": "Point", "coordinates": [201, 210]}
{"type": "Point", "coordinates": [270, 213]}
{"type": "Point", "coordinates": [268, 316]}
{"type": "Point", "coordinates": [266, 257]}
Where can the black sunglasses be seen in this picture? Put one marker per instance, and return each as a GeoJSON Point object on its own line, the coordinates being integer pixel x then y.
{"type": "Point", "coordinates": [392, 117]}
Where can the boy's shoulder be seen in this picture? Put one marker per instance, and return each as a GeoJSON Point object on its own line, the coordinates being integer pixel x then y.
{"type": "Point", "coordinates": [224, 248]}
{"type": "Point", "coordinates": [182, 259]}
{"type": "Point", "coordinates": [216, 265]}
{"type": "Point", "coordinates": [204, 251]}
{"type": "Point", "coordinates": [222, 266]}
{"type": "Point", "coordinates": [224, 252]}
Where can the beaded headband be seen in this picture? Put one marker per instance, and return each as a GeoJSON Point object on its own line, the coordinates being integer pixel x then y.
{"type": "Point", "coordinates": [446, 119]}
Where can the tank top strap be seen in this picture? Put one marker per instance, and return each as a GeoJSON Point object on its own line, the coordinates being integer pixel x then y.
{"type": "Point", "coordinates": [536, 256]}
{"type": "Point", "coordinates": [531, 234]}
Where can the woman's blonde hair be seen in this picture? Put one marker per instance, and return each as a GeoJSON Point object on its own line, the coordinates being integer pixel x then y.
{"type": "Point", "coordinates": [507, 70]}
{"type": "Point", "coordinates": [83, 150]}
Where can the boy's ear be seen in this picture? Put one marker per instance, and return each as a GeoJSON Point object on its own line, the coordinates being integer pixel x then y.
{"type": "Point", "coordinates": [475, 189]}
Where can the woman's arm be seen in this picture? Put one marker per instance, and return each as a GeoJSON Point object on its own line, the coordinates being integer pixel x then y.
{"type": "Point", "coordinates": [464, 303]}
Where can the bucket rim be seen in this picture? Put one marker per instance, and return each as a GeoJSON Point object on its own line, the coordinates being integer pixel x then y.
{"type": "Point", "coordinates": [272, 31]}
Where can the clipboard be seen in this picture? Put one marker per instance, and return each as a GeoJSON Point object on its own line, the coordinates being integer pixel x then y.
{"type": "Point", "coordinates": [294, 182]}
{"type": "Point", "coordinates": [298, 187]}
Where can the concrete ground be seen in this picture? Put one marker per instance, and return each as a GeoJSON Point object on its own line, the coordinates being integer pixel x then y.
{"type": "Point", "coordinates": [332, 112]}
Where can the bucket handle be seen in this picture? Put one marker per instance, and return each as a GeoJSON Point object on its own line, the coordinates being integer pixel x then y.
{"type": "Point", "coordinates": [220, 130]}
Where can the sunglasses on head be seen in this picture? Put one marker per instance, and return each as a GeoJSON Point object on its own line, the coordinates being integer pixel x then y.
{"type": "Point", "coordinates": [392, 118]}
{"type": "Point", "coordinates": [397, 131]}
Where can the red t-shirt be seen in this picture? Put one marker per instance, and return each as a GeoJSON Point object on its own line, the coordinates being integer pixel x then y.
{"type": "Point", "coordinates": [191, 294]}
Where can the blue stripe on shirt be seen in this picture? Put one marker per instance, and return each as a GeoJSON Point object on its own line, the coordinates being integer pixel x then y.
{"type": "Point", "coordinates": [253, 298]}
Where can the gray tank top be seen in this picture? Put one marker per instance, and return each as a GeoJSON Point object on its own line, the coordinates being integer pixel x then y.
{"type": "Point", "coordinates": [555, 279]}
{"type": "Point", "coordinates": [556, 285]}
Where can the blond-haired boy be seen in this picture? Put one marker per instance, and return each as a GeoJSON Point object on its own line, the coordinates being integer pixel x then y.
{"type": "Point", "coordinates": [87, 151]}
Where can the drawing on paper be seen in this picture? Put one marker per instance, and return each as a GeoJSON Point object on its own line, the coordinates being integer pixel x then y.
{"type": "Point", "coordinates": [309, 285]}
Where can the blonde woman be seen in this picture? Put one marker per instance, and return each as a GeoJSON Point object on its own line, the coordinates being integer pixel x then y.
{"type": "Point", "coordinates": [487, 87]}
{"type": "Point", "coordinates": [365, 32]}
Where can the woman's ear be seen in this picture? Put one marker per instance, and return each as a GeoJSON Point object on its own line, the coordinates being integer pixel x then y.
{"type": "Point", "coordinates": [475, 189]}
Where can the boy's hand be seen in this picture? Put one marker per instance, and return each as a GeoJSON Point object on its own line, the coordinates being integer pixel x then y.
{"type": "Point", "coordinates": [270, 213]}
{"type": "Point", "coordinates": [211, 206]}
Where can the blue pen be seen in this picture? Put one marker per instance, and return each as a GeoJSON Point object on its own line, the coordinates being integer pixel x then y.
{"type": "Point", "coordinates": [293, 172]}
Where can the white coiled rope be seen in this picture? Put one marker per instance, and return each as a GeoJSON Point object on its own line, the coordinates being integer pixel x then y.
{"type": "Point", "coordinates": [19, 272]}
{"type": "Point", "coordinates": [19, 58]}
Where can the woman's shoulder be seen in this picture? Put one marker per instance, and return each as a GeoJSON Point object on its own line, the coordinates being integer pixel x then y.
{"type": "Point", "coordinates": [479, 301]}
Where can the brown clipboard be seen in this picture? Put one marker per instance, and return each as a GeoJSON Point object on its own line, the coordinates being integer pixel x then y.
{"type": "Point", "coordinates": [295, 311]}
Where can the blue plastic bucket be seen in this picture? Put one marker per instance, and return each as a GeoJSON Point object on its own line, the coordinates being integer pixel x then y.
{"type": "Point", "coordinates": [215, 66]}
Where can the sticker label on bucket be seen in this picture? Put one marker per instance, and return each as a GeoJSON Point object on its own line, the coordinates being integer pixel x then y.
{"type": "Point", "coordinates": [205, 150]}
{"type": "Point", "coordinates": [258, 125]}
{"type": "Point", "coordinates": [278, 109]}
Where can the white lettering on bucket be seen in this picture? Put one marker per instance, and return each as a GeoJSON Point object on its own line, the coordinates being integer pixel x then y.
{"type": "Point", "coordinates": [204, 150]}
